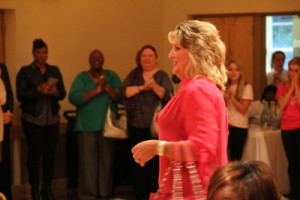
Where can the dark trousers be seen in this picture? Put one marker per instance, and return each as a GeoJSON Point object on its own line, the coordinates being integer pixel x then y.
{"type": "Point", "coordinates": [42, 143]}
{"type": "Point", "coordinates": [72, 155]}
{"type": "Point", "coordinates": [291, 143]}
{"type": "Point", "coordinates": [5, 166]}
{"type": "Point", "coordinates": [145, 179]}
{"type": "Point", "coordinates": [236, 142]}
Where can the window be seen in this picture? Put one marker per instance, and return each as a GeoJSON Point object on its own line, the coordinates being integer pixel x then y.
{"type": "Point", "coordinates": [280, 36]}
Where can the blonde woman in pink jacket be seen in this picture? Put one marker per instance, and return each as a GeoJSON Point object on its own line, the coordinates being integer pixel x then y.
{"type": "Point", "coordinates": [195, 118]}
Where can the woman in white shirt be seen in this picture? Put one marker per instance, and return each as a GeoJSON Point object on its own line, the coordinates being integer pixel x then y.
{"type": "Point", "coordinates": [238, 96]}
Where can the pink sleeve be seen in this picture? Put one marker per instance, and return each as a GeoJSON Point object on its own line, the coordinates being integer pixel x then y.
{"type": "Point", "coordinates": [200, 120]}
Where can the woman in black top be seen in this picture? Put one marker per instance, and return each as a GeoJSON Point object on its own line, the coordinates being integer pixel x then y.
{"type": "Point", "coordinates": [39, 88]}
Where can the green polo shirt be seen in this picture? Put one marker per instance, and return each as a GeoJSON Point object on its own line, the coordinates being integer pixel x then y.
{"type": "Point", "coordinates": [90, 114]}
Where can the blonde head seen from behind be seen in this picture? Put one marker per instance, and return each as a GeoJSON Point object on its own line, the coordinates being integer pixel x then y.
{"type": "Point", "coordinates": [206, 50]}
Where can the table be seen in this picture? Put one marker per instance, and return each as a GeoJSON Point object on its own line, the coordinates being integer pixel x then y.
{"type": "Point", "coordinates": [264, 144]}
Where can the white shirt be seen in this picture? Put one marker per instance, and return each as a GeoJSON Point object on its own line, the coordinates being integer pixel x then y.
{"type": "Point", "coordinates": [235, 118]}
{"type": "Point", "coordinates": [255, 112]}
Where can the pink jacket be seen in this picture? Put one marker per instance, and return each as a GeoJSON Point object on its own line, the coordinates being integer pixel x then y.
{"type": "Point", "coordinates": [196, 113]}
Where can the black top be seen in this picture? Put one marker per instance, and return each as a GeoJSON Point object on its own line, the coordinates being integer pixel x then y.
{"type": "Point", "coordinates": [28, 79]}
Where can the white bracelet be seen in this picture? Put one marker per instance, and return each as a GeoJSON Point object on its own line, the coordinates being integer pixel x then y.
{"type": "Point", "coordinates": [161, 148]}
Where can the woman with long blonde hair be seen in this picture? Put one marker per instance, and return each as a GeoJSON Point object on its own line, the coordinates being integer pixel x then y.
{"type": "Point", "coordinates": [238, 96]}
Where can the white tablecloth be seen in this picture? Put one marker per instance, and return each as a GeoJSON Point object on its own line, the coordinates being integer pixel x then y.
{"type": "Point", "coordinates": [266, 145]}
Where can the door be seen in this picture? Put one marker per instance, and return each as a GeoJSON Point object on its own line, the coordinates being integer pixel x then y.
{"type": "Point", "coordinates": [237, 34]}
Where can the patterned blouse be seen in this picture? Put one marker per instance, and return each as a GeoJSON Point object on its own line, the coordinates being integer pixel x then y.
{"type": "Point", "coordinates": [140, 108]}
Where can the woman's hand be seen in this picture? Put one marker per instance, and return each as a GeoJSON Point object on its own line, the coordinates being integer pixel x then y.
{"type": "Point", "coordinates": [144, 151]}
{"type": "Point", "coordinates": [101, 84]}
{"type": "Point", "coordinates": [7, 117]}
{"type": "Point", "coordinates": [294, 80]}
{"type": "Point", "coordinates": [44, 88]}
{"type": "Point", "coordinates": [101, 81]}
{"type": "Point", "coordinates": [99, 88]}
{"type": "Point", "coordinates": [150, 84]}
{"type": "Point", "coordinates": [227, 95]}
{"type": "Point", "coordinates": [53, 90]}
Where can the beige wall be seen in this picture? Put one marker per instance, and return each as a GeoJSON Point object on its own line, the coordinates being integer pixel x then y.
{"type": "Point", "coordinates": [72, 28]}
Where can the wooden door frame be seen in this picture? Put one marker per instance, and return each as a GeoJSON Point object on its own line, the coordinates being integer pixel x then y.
{"type": "Point", "coordinates": [2, 46]}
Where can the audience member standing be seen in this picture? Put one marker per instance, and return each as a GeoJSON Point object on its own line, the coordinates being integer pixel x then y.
{"type": "Point", "coordinates": [238, 96]}
{"type": "Point", "coordinates": [288, 97]}
{"type": "Point", "coordinates": [92, 92]}
{"type": "Point", "coordinates": [278, 73]}
{"type": "Point", "coordinates": [40, 87]}
{"type": "Point", "coordinates": [7, 108]}
{"type": "Point", "coordinates": [145, 87]}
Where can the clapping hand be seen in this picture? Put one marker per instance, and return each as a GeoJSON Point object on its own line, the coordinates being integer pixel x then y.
{"type": "Point", "coordinates": [48, 89]}
{"type": "Point", "coordinates": [294, 79]}
{"type": "Point", "coordinates": [150, 84]}
{"type": "Point", "coordinates": [44, 88]}
{"type": "Point", "coordinates": [228, 94]}
{"type": "Point", "coordinates": [101, 83]}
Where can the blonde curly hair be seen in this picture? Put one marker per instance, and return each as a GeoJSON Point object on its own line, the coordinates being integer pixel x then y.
{"type": "Point", "coordinates": [207, 51]}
